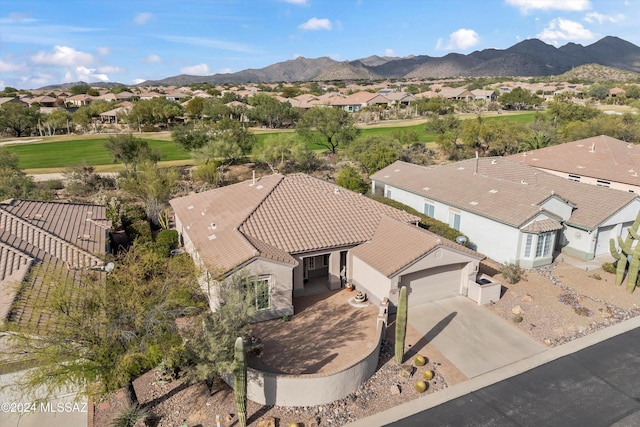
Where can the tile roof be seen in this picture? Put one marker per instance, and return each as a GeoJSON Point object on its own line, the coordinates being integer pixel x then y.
{"type": "Point", "coordinates": [395, 245]}
{"type": "Point", "coordinates": [277, 216]}
{"type": "Point", "coordinates": [600, 157]}
{"type": "Point", "coordinates": [504, 190]}
{"type": "Point", "coordinates": [543, 226]}
{"type": "Point", "coordinates": [49, 235]}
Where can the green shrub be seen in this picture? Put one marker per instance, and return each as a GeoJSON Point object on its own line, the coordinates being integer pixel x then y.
{"type": "Point", "coordinates": [166, 240]}
{"type": "Point", "coordinates": [426, 222]}
{"type": "Point", "coordinates": [131, 214]}
{"type": "Point", "coordinates": [130, 416]}
{"type": "Point", "coordinates": [609, 267]}
{"type": "Point", "coordinates": [139, 231]}
{"type": "Point", "coordinates": [512, 272]}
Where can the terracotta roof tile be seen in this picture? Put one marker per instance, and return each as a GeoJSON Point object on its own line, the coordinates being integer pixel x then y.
{"type": "Point", "coordinates": [600, 157]}
{"type": "Point", "coordinates": [504, 190]}
{"type": "Point", "coordinates": [396, 245]}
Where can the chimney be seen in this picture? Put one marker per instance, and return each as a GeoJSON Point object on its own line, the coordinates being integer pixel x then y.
{"type": "Point", "coordinates": [253, 180]}
{"type": "Point", "coordinates": [475, 170]}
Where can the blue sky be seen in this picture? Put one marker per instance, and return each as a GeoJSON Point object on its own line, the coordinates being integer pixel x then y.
{"type": "Point", "coordinates": [128, 41]}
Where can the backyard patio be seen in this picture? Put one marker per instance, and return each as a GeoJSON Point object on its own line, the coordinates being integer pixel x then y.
{"type": "Point", "coordinates": [326, 334]}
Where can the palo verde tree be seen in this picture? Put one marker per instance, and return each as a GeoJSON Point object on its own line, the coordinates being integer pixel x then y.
{"type": "Point", "coordinates": [131, 151]}
{"type": "Point", "coordinates": [106, 329]}
{"type": "Point", "coordinates": [17, 119]}
{"type": "Point", "coordinates": [327, 127]}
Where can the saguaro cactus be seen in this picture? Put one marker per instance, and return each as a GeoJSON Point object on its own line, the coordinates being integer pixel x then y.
{"type": "Point", "coordinates": [401, 324]}
{"type": "Point", "coordinates": [627, 255]}
{"type": "Point", "coordinates": [240, 381]}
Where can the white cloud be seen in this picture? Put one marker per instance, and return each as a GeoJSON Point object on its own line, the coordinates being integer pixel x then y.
{"type": "Point", "coordinates": [389, 52]}
{"type": "Point", "coordinates": [138, 81]}
{"type": "Point", "coordinates": [570, 5]}
{"type": "Point", "coordinates": [89, 75]}
{"type": "Point", "coordinates": [152, 58]}
{"type": "Point", "coordinates": [303, 2]}
{"type": "Point", "coordinates": [196, 70]}
{"type": "Point", "coordinates": [63, 56]}
{"type": "Point", "coordinates": [6, 67]}
{"type": "Point", "coordinates": [461, 39]}
{"type": "Point", "coordinates": [593, 17]}
{"type": "Point", "coordinates": [143, 18]}
{"type": "Point", "coordinates": [17, 17]}
{"type": "Point", "coordinates": [561, 30]}
{"type": "Point", "coordinates": [104, 51]}
{"type": "Point", "coordinates": [316, 24]}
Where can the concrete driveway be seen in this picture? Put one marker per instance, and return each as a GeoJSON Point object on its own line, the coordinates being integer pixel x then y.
{"type": "Point", "coordinates": [475, 340]}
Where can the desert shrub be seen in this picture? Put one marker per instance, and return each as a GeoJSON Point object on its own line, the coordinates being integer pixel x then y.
{"type": "Point", "coordinates": [609, 267]}
{"type": "Point", "coordinates": [208, 172]}
{"type": "Point", "coordinates": [583, 311]}
{"type": "Point", "coordinates": [52, 184]}
{"type": "Point", "coordinates": [426, 222]}
{"type": "Point", "coordinates": [133, 213]}
{"type": "Point", "coordinates": [130, 416]}
{"type": "Point", "coordinates": [139, 231]}
{"type": "Point", "coordinates": [512, 272]}
{"type": "Point", "coordinates": [166, 240]}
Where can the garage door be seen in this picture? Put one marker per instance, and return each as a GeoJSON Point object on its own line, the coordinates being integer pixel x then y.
{"type": "Point", "coordinates": [433, 284]}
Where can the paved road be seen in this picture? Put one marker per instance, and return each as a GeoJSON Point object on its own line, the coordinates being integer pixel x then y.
{"type": "Point", "coordinates": [597, 386]}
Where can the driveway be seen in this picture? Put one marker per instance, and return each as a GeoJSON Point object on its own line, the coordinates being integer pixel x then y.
{"type": "Point", "coordinates": [475, 340]}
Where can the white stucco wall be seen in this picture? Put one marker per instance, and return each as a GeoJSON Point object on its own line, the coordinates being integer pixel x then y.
{"type": "Point", "coordinates": [558, 207]}
{"type": "Point", "coordinates": [494, 239]}
{"type": "Point", "coordinates": [593, 181]}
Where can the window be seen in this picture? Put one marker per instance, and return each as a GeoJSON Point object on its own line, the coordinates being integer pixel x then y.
{"type": "Point", "coordinates": [311, 263]}
{"type": "Point", "coordinates": [574, 178]}
{"type": "Point", "coordinates": [543, 248]}
{"type": "Point", "coordinates": [454, 220]}
{"type": "Point", "coordinates": [263, 294]}
{"type": "Point", "coordinates": [602, 183]}
{"type": "Point", "coordinates": [428, 209]}
{"type": "Point", "coordinates": [527, 248]}
{"type": "Point", "coordinates": [388, 193]}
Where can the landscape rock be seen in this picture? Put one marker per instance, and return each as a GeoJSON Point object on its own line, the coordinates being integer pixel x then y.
{"type": "Point", "coordinates": [267, 422]}
{"type": "Point", "coordinates": [395, 390]}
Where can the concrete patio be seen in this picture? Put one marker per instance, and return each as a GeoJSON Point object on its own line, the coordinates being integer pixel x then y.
{"type": "Point", "coordinates": [325, 335]}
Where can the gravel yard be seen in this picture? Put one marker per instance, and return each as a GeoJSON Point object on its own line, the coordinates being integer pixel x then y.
{"type": "Point", "coordinates": [559, 303]}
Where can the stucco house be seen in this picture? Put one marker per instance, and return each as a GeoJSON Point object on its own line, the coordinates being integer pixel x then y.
{"type": "Point", "coordinates": [295, 233]}
{"type": "Point", "coordinates": [48, 235]}
{"type": "Point", "coordinates": [600, 160]}
{"type": "Point", "coordinates": [512, 212]}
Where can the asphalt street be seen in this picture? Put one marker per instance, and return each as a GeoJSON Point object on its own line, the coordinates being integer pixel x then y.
{"type": "Point", "coordinates": [596, 386]}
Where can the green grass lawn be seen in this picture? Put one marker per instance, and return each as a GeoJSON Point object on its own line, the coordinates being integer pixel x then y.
{"type": "Point", "coordinates": [63, 154]}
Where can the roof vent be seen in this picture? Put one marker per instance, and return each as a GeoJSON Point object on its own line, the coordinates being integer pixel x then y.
{"type": "Point", "coordinates": [190, 207]}
{"type": "Point", "coordinates": [396, 170]}
{"type": "Point", "coordinates": [461, 168]}
{"type": "Point", "coordinates": [213, 226]}
{"type": "Point", "coordinates": [260, 187]}
{"type": "Point", "coordinates": [523, 182]}
{"type": "Point", "coordinates": [336, 190]}
{"type": "Point", "coordinates": [493, 191]}
{"type": "Point", "coordinates": [212, 237]}
{"type": "Point", "coordinates": [494, 162]}
{"type": "Point", "coordinates": [473, 203]}
{"type": "Point", "coordinates": [426, 188]}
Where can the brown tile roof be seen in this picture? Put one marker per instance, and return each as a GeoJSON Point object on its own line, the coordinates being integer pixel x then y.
{"type": "Point", "coordinates": [543, 226]}
{"type": "Point", "coordinates": [275, 217]}
{"type": "Point", "coordinates": [49, 235]}
{"type": "Point", "coordinates": [395, 245]}
{"type": "Point", "coordinates": [504, 190]}
{"type": "Point", "coordinates": [600, 157]}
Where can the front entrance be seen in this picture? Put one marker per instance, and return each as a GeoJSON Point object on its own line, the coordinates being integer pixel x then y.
{"type": "Point", "coordinates": [316, 274]}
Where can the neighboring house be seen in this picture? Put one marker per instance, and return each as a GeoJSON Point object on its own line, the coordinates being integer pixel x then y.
{"type": "Point", "coordinates": [111, 116]}
{"type": "Point", "coordinates": [297, 234]}
{"type": "Point", "coordinates": [176, 96]}
{"type": "Point", "coordinates": [601, 160]}
{"type": "Point", "coordinates": [12, 100]}
{"type": "Point", "coordinates": [79, 100]}
{"type": "Point", "coordinates": [484, 95]}
{"type": "Point", "coordinates": [43, 101]}
{"type": "Point", "coordinates": [37, 237]}
{"type": "Point", "coordinates": [399, 98]}
{"type": "Point", "coordinates": [456, 94]}
{"type": "Point", "coordinates": [512, 212]}
{"type": "Point", "coordinates": [359, 100]}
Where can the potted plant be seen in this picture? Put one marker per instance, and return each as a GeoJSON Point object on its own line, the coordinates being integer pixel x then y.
{"type": "Point", "coordinates": [349, 286]}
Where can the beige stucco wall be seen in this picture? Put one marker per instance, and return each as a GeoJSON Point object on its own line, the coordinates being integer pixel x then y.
{"type": "Point", "coordinates": [313, 389]}
{"type": "Point", "coordinates": [281, 276]}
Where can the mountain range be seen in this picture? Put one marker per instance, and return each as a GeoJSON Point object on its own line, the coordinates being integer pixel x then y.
{"type": "Point", "coordinates": [530, 57]}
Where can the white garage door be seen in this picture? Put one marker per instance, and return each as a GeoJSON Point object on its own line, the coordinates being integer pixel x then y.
{"type": "Point", "coordinates": [433, 284]}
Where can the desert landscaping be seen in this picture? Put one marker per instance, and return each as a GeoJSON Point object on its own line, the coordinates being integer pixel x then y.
{"type": "Point", "coordinates": [549, 300]}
